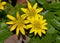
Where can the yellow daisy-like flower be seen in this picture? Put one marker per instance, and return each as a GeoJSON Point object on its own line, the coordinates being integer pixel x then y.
{"type": "Point", "coordinates": [38, 25]}
{"type": "Point", "coordinates": [31, 11]}
{"type": "Point", "coordinates": [2, 5]}
{"type": "Point", "coordinates": [18, 23]}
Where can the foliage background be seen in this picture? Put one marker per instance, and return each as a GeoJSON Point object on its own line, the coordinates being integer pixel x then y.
{"type": "Point", "coordinates": [51, 12]}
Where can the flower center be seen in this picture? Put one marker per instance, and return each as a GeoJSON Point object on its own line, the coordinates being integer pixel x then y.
{"type": "Point", "coordinates": [20, 22]}
{"type": "Point", "coordinates": [37, 24]}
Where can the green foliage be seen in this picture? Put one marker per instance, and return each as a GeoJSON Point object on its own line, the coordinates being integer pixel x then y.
{"type": "Point", "coordinates": [4, 28]}
{"type": "Point", "coordinates": [51, 13]}
{"type": "Point", "coordinates": [4, 32]}
{"type": "Point", "coordinates": [41, 1]}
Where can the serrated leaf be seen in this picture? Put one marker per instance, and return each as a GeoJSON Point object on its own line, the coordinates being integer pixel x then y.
{"type": "Point", "coordinates": [51, 6]}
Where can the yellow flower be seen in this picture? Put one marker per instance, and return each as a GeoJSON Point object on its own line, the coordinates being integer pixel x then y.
{"type": "Point", "coordinates": [31, 11]}
{"type": "Point", "coordinates": [38, 25]}
{"type": "Point", "coordinates": [18, 23]}
{"type": "Point", "coordinates": [2, 5]}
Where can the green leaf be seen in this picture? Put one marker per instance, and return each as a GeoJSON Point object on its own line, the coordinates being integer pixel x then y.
{"type": "Point", "coordinates": [51, 6]}
{"type": "Point", "coordinates": [8, 7]}
{"type": "Point", "coordinates": [51, 29]}
{"type": "Point", "coordinates": [32, 2]}
{"type": "Point", "coordinates": [57, 39]}
{"type": "Point", "coordinates": [41, 1]}
{"type": "Point", "coordinates": [51, 18]}
{"type": "Point", "coordinates": [17, 8]}
{"type": "Point", "coordinates": [3, 25]}
{"type": "Point", "coordinates": [4, 32]}
{"type": "Point", "coordinates": [34, 40]}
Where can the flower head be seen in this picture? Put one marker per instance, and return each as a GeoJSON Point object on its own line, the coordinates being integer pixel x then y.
{"type": "Point", "coordinates": [38, 25]}
{"type": "Point", "coordinates": [31, 11]}
{"type": "Point", "coordinates": [2, 5]}
{"type": "Point", "coordinates": [18, 23]}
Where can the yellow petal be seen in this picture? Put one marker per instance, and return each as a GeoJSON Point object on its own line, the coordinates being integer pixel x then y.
{"type": "Point", "coordinates": [13, 27]}
{"type": "Point", "coordinates": [32, 19]}
{"type": "Point", "coordinates": [35, 32]}
{"type": "Point", "coordinates": [17, 15]}
{"type": "Point", "coordinates": [44, 27]}
{"type": "Point", "coordinates": [17, 31]}
{"type": "Point", "coordinates": [29, 18]}
{"type": "Point", "coordinates": [22, 31]}
{"type": "Point", "coordinates": [11, 22]}
{"type": "Point", "coordinates": [41, 19]}
{"type": "Point", "coordinates": [45, 24]}
{"type": "Point", "coordinates": [27, 21]}
{"type": "Point", "coordinates": [35, 6]}
{"type": "Point", "coordinates": [24, 10]}
{"type": "Point", "coordinates": [25, 26]}
{"type": "Point", "coordinates": [39, 15]}
{"type": "Point", "coordinates": [2, 7]}
{"type": "Point", "coordinates": [29, 26]}
{"type": "Point", "coordinates": [43, 31]}
{"type": "Point", "coordinates": [29, 6]}
{"type": "Point", "coordinates": [11, 17]}
{"type": "Point", "coordinates": [32, 30]}
{"type": "Point", "coordinates": [3, 3]}
{"type": "Point", "coordinates": [39, 33]}
{"type": "Point", "coordinates": [39, 10]}
{"type": "Point", "coordinates": [44, 21]}
{"type": "Point", "coordinates": [36, 17]}
{"type": "Point", "coordinates": [23, 16]}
